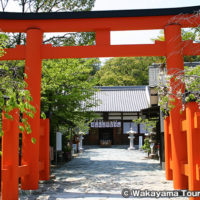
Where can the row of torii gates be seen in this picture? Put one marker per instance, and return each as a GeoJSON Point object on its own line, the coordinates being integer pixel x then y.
{"type": "Point", "coordinates": [182, 132]}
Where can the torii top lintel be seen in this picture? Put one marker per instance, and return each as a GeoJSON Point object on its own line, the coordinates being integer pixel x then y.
{"type": "Point", "coordinates": [97, 20]}
{"type": "Point", "coordinates": [100, 22]}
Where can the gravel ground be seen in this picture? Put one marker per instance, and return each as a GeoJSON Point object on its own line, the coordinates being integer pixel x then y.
{"type": "Point", "coordinates": [101, 174]}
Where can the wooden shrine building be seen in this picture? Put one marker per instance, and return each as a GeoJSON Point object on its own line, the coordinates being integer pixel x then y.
{"type": "Point", "coordinates": [116, 110]}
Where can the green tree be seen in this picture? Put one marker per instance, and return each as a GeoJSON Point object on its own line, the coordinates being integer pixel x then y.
{"type": "Point", "coordinates": [125, 71]}
{"type": "Point", "coordinates": [36, 6]}
{"type": "Point", "coordinates": [66, 84]}
{"type": "Point", "coordinates": [49, 5]}
{"type": "Point", "coordinates": [13, 93]}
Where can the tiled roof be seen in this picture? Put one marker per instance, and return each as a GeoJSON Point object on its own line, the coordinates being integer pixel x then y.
{"type": "Point", "coordinates": [121, 99]}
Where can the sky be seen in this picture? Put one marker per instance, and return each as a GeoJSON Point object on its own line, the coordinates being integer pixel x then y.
{"type": "Point", "coordinates": [142, 4]}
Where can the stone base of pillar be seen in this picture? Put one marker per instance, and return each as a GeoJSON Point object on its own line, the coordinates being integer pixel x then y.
{"type": "Point", "coordinates": [131, 148]}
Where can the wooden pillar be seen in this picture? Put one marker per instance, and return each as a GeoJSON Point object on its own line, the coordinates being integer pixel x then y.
{"type": "Point", "coordinates": [178, 138]}
{"type": "Point", "coordinates": [10, 157]}
{"type": "Point", "coordinates": [193, 140]}
{"type": "Point", "coordinates": [44, 149]}
{"type": "Point", "coordinates": [168, 154]}
{"type": "Point", "coordinates": [30, 151]}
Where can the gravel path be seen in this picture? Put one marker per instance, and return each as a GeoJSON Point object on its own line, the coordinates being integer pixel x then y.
{"type": "Point", "coordinates": [102, 173]}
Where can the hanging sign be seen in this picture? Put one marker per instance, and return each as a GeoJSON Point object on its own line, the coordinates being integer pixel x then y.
{"type": "Point", "coordinates": [103, 124]}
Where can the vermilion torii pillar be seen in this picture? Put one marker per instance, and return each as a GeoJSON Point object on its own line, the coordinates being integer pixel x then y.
{"type": "Point", "coordinates": [175, 63]}
{"type": "Point", "coordinates": [10, 157]}
{"type": "Point", "coordinates": [33, 65]}
{"type": "Point", "coordinates": [193, 147]}
{"type": "Point", "coordinates": [168, 152]}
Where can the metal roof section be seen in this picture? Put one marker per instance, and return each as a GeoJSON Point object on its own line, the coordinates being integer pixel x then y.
{"type": "Point", "coordinates": [121, 99]}
{"type": "Point", "coordinates": [100, 14]}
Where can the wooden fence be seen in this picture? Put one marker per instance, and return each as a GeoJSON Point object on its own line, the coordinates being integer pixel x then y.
{"type": "Point", "coordinates": [11, 170]}
{"type": "Point", "coordinates": [182, 157]}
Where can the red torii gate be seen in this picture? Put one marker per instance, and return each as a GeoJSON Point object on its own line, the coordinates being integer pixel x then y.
{"type": "Point", "coordinates": [35, 163]}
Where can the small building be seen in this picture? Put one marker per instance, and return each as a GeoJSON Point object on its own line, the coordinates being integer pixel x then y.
{"type": "Point", "coordinates": [116, 110]}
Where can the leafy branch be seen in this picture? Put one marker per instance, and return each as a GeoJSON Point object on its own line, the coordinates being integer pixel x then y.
{"type": "Point", "coordinates": [149, 125]}
{"type": "Point", "coordinates": [14, 93]}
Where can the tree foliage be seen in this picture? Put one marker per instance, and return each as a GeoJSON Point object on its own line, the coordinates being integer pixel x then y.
{"type": "Point", "coordinates": [14, 93]}
{"type": "Point", "coordinates": [49, 5]}
{"type": "Point", "coordinates": [66, 84]}
{"type": "Point", "coordinates": [125, 71]}
{"type": "Point", "coordinates": [36, 6]}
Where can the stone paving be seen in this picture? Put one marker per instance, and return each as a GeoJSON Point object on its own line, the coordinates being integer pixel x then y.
{"type": "Point", "coordinates": [101, 174]}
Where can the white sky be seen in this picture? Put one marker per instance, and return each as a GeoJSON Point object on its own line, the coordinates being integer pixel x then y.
{"type": "Point", "coordinates": [142, 4]}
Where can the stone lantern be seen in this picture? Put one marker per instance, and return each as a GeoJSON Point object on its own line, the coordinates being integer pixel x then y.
{"type": "Point", "coordinates": [131, 137]}
{"type": "Point", "coordinates": [152, 142]}
{"type": "Point", "coordinates": [81, 141]}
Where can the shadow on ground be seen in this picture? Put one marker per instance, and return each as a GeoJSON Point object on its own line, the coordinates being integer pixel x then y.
{"type": "Point", "coordinates": [105, 171]}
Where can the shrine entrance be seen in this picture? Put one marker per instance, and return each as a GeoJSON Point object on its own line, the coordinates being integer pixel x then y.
{"type": "Point", "coordinates": [106, 136]}
{"type": "Point", "coordinates": [182, 149]}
